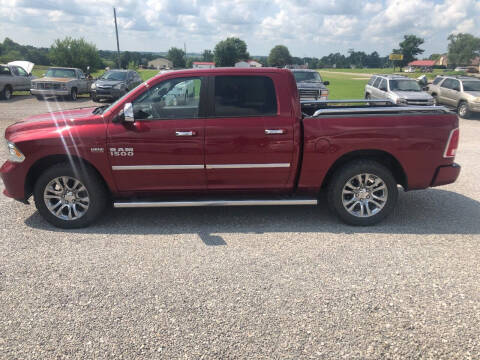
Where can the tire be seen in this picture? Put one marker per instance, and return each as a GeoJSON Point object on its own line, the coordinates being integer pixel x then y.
{"type": "Point", "coordinates": [358, 204]}
{"type": "Point", "coordinates": [367, 96]}
{"type": "Point", "coordinates": [94, 98]}
{"type": "Point", "coordinates": [435, 100]}
{"type": "Point", "coordinates": [73, 94]}
{"type": "Point", "coordinates": [39, 97]}
{"type": "Point", "coordinates": [6, 93]}
{"type": "Point", "coordinates": [84, 201]}
{"type": "Point", "coordinates": [463, 110]}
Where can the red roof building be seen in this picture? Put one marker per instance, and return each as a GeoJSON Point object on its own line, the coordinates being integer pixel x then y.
{"type": "Point", "coordinates": [422, 63]}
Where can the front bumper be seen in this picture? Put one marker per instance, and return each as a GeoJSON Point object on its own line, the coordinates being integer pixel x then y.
{"type": "Point", "coordinates": [13, 176]}
{"type": "Point", "coordinates": [475, 107]}
{"type": "Point", "coordinates": [49, 92]}
{"type": "Point", "coordinates": [107, 93]}
{"type": "Point", "coordinates": [446, 174]}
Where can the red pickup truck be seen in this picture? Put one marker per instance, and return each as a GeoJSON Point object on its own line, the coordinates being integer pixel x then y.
{"type": "Point", "coordinates": [227, 137]}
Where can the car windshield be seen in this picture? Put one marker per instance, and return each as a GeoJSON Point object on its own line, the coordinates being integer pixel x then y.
{"type": "Point", "coordinates": [404, 85]}
{"type": "Point", "coordinates": [471, 86]}
{"type": "Point", "coordinates": [114, 75]}
{"type": "Point", "coordinates": [307, 76]}
{"type": "Point", "coordinates": [61, 73]}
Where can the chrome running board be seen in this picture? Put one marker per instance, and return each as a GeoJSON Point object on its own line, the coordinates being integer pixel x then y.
{"type": "Point", "coordinates": [153, 204]}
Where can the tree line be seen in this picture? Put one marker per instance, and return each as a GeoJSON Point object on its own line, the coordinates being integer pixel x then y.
{"type": "Point", "coordinates": [462, 48]}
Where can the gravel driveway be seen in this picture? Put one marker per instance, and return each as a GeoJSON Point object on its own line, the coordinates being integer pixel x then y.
{"type": "Point", "coordinates": [245, 283]}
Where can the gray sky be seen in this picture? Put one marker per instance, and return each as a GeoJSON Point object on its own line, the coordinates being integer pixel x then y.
{"type": "Point", "coordinates": [308, 28]}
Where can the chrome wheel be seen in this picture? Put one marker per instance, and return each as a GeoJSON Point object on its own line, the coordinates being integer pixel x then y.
{"type": "Point", "coordinates": [364, 195]}
{"type": "Point", "coordinates": [463, 110]}
{"type": "Point", "coordinates": [66, 198]}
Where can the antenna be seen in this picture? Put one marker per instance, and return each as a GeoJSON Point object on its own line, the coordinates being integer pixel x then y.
{"type": "Point", "coordinates": [116, 32]}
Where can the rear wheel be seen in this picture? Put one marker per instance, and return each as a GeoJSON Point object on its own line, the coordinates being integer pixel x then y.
{"type": "Point", "coordinates": [69, 199]}
{"type": "Point", "coordinates": [6, 93]}
{"type": "Point", "coordinates": [463, 110]}
{"type": "Point", "coordinates": [39, 97]}
{"type": "Point", "coordinates": [362, 193]}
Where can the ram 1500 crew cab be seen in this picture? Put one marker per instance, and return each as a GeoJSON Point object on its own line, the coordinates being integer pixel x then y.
{"type": "Point", "coordinates": [241, 138]}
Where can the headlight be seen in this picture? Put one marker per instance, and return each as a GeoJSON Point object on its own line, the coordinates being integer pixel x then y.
{"type": "Point", "coordinates": [118, 86]}
{"type": "Point", "coordinates": [14, 155]}
{"type": "Point", "coordinates": [93, 86]}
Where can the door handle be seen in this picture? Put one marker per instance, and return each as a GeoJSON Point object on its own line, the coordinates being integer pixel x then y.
{"type": "Point", "coordinates": [185, 133]}
{"type": "Point", "coordinates": [274, 131]}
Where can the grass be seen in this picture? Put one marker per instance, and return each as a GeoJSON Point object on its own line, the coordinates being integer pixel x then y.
{"type": "Point", "coordinates": [344, 86]}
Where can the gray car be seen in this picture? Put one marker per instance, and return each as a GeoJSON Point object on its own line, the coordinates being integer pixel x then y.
{"type": "Point", "coordinates": [398, 89]}
{"type": "Point", "coordinates": [113, 84]}
{"type": "Point", "coordinates": [460, 92]}
{"type": "Point", "coordinates": [310, 85]}
{"type": "Point", "coordinates": [15, 76]}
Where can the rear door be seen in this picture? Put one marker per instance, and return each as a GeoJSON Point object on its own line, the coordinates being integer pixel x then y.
{"type": "Point", "coordinates": [164, 148]}
{"type": "Point", "coordinates": [375, 91]}
{"type": "Point", "coordinates": [249, 135]}
{"type": "Point", "coordinates": [447, 94]}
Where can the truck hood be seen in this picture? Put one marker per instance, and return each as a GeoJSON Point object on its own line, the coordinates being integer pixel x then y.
{"type": "Point", "coordinates": [310, 85]}
{"type": "Point", "coordinates": [411, 95]}
{"type": "Point", "coordinates": [53, 79]}
{"type": "Point", "coordinates": [109, 83]}
{"type": "Point", "coordinates": [51, 121]}
{"type": "Point", "coordinates": [25, 65]}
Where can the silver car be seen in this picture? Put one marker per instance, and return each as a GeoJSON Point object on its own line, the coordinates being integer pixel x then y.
{"type": "Point", "coordinates": [460, 92]}
{"type": "Point", "coordinates": [15, 76]}
{"type": "Point", "coordinates": [399, 89]}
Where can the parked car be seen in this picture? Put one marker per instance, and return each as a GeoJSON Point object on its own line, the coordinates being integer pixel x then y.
{"type": "Point", "coordinates": [460, 92]}
{"type": "Point", "coordinates": [398, 89]}
{"type": "Point", "coordinates": [15, 76]}
{"type": "Point", "coordinates": [310, 85]}
{"type": "Point", "coordinates": [244, 139]}
{"type": "Point", "coordinates": [62, 82]}
{"type": "Point", "coordinates": [113, 84]}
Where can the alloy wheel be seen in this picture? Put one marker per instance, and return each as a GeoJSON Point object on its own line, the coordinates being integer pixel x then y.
{"type": "Point", "coordinates": [364, 195]}
{"type": "Point", "coordinates": [66, 198]}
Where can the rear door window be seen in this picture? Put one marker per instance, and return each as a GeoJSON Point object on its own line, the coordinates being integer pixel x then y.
{"type": "Point", "coordinates": [4, 70]}
{"type": "Point", "coordinates": [448, 84]}
{"type": "Point", "coordinates": [372, 80]}
{"type": "Point", "coordinates": [437, 80]}
{"type": "Point", "coordinates": [377, 82]}
{"type": "Point", "coordinates": [237, 96]}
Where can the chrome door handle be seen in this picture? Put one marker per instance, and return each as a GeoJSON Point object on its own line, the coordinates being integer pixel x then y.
{"type": "Point", "coordinates": [274, 131]}
{"type": "Point", "coordinates": [184, 133]}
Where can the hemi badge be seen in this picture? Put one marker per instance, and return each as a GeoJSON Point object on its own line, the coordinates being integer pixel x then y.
{"type": "Point", "coordinates": [97, 150]}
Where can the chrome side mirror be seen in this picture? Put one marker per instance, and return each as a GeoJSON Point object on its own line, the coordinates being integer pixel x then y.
{"type": "Point", "coordinates": [128, 112]}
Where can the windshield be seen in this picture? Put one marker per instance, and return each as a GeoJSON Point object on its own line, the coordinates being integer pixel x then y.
{"type": "Point", "coordinates": [307, 76]}
{"type": "Point", "coordinates": [114, 75]}
{"type": "Point", "coordinates": [404, 85]}
{"type": "Point", "coordinates": [471, 86]}
{"type": "Point", "coordinates": [61, 73]}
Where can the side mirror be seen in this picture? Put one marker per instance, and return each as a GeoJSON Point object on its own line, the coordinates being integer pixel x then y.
{"type": "Point", "coordinates": [128, 113]}
{"type": "Point", "coordinates": [326, 83]}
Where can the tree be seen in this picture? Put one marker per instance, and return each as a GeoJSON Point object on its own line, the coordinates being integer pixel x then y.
{"type": "Point", "coordinates": [434, 57]}
{"type": "Point", "coordinates": [207, 55]}
{"type": "Point", "coordinates": [75, 53]}
{"type": "Point", "coordinates": [279, 56]}
{"type": "Point", "coordinates": [409, 47]}
{"type": "Point", "coordinates": [462, 49]}
{"type": "Point", "coordinates": [177, 57]}
{"type": "Point", "coordinates": [229, 51]}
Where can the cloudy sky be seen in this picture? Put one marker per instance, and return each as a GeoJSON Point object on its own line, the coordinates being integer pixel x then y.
{"type": "Point", "coordinates": [308, 28]}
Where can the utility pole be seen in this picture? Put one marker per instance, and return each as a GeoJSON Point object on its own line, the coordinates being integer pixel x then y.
{"type": "Point", "coordinates": [185, 50]}
{"type": "Point", "coordinates": [116, 32]}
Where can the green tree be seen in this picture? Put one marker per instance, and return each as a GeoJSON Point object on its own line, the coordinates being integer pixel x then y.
{"type": "Point", "coordinates": [409, 47]}
{"type": "Point", "coordinates": [462, 49]}
{"type": "Point", "coordinates": [177, 57]}
{"type": "Point", "coordinates": [227, 52]}
{"type": "Point", "coordinates": [280, 56]}
{"type": "Point", "coordinates": [75, 53]}
{"type": "Point", "coordinates": [207, 55]}
{"type": "Point", "coordinates": [435, 57]}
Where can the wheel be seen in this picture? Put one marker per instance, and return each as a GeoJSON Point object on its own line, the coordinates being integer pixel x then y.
{"type": "Point", "coordinates": [69, 199]}
{"type": "Point", "coordinates": [39, 97]}
{"type": "Point", "coordinates": [94, 98]}
{"type": "Point", "coordinates": [6, 93]}
{"type": "Point", "coordinates": [435, 100]}
{"type": "Point", "coordinates": [362, 192]}
{"type": "Point", "coordinates": [73, 94]}
{"type": "Point", "coordinates": [367, 96]}
{"type": "Point", "coordinates": [463, 110]}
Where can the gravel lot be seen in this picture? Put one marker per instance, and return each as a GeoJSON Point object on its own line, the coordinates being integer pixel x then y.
{"type": "Point", "coordinates": [245, 283]}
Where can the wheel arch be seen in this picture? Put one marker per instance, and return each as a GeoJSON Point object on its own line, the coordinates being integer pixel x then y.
{"type": "Point", "coordinates": [382, 157]}
{"type": "Point", "coordinates": [46, 162]}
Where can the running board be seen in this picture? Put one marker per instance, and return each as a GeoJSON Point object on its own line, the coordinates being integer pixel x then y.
{"type": "Point", "coordinates": [154, 204]}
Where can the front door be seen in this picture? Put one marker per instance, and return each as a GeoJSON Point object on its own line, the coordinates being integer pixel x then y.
{"type": "Point", "coordinates": [248, 139]}
{"type": "Point", "coordinates": [164, 148]}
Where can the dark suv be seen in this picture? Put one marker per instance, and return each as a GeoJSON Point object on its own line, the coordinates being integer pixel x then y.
{"type": "Point", "coordinates": [113, 84]}
{"type": "Point", "coordinates": [310, 85]}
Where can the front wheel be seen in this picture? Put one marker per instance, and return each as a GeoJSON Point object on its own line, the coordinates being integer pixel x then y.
{"type": "Point", "coordinates": [463, 110]}
{"type": "Point", "coordinates": [73, 94]}
{"type": "Point", "coordinates": [69, 198]}
{"type": "Point", "coordinates": [362, 193]}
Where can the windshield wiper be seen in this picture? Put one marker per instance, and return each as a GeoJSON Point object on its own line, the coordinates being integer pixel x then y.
{"type": "Point", "coordinates": [99, 110]}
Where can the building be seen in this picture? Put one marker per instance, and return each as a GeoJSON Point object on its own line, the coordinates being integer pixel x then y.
{"type": "Point", "coordinates": [160, 63]}
{"type": "Point", "coordinates": [203, 65]}
{"type": "Point", "coordinates": [248, 63]}
{"type": "Point", "coordinates": [422, 64]}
